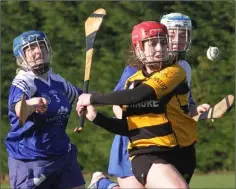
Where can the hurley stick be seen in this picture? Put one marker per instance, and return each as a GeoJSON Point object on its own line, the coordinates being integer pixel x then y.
{"type": "Point", "coordinates": [23, 110]}
{"type": "Point", "coordinates": [92, 26]}
{"type": "Point", "coordinates": [217, 111]}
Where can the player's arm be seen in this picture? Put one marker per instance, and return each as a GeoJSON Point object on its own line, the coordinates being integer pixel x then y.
{"type": "Point", "coordinates": [72, 92]}
{"type": "Point", "coordinates": [35, 104]}
{"type": "Point", "coordinates": [113, 125]}
{"type": "Point", "coordinates": [195, 109]}
{"type": "Point", "coordinates": [190, 98]}
{"type": "Point", "coordinates": [198, 109]}
{"type": "Point", "coordinates": [21, 104]}
{"type": "Point", "coordinates": [117, 110]}
{"type": "Point", "coordinates": [192, 105]}
{"type": "Point", "coordinates": [128, 72]}
{"type": "Point", "coordinates": [163, 83]}
{"type": "Point", "coordinates": [123, 97]}
{"type": "Point", "coordinates": [17, 107]}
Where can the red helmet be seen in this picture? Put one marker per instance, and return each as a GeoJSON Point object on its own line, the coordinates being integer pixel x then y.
{"type": "Point", "coordinates": [145, 30]}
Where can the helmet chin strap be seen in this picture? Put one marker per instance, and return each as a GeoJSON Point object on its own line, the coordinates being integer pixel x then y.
{"type": "Point", "coordinates": [180, 55]}
{"type": "Point", "coordinates": [40, 69]}
{"type": "Point", "coordinates": [44, 76]}
{"type": "Point", "coordinates": [156, 66]}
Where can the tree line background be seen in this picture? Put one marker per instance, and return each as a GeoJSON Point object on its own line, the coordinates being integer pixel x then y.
{"type": "Point", "coordinates": [63, 23]}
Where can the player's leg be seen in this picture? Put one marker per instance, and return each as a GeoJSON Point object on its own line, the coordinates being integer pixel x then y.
{"type": "Point", "coordinates": [79, 187]}
{"type": "Point", "coordinates": [120, 165]}
{"type": "Point", "coordinates": [71, 176]}
{"type": "Point", "coordinates": [164, 175]}
{"type": "Point", "coordinates": [31, 174]}
{"type": "Point", "coordinates": [18, 173]}
{"type": "Point", "coordinates": [186, 163]}
{"type": "Point", "coordinates": [153, 171]}
{"type": "Point", "coordinates": [129, 182]}
{"type": "Point", "coordinates": [100, 181]}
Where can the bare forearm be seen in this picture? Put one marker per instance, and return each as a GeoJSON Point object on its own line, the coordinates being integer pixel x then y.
{"type": "Point", "coordinates": [24, 108]}
{"type": "Point", "coordinates": [27, 106]}
{"type": "Point", "coordinates": [117, 111]}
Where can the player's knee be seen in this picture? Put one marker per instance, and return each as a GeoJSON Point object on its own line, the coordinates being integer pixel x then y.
{"type": "Point", "coordinates": [78, 187]}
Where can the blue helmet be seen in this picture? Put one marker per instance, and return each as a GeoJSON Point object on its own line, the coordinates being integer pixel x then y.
{"type": "Point", "coordinates": [25, 40]}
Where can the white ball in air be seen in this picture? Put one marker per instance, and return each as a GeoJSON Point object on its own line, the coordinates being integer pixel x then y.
{"type": "Point", "coordinates": [213, 53]}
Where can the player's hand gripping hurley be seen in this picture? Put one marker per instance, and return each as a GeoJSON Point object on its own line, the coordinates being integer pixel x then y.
{"type": "Point", "coordinates": [218, 110]}
{"type": "Point", "coordinates": [92, 25]}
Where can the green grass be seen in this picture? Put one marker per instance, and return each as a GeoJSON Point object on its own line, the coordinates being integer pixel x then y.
{"type": "Point", "coordinates": [211, 181]}
{"type": "Point", "coordinates": [222, 180]}
{"type": "Point", "coordinates": [3, 186]}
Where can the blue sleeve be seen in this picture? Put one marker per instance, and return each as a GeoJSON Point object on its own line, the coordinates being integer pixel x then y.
{"type": "Point", "coordinates": [72, 92]}
{"type": "Point", "coordinates": [128, 71]}
{"type": "Point", "coordinates": [14, 97]}
{"type": "Point", "coordinates": [190, 98]}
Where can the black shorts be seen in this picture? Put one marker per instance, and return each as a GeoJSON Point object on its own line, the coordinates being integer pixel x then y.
{"type": "Point", "coordinates": [183, 159]}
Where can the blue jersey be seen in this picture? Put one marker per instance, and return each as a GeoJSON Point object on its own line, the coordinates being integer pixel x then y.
{"type": "Point", "coordinates": [184, 64]}
{"type": "Point", "coordinates": [128, 71]}
{"type": "Point", "coordinates": [42, 135]}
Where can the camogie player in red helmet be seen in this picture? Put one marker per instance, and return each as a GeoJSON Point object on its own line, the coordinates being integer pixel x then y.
{"type": "Point", "coordinates": [155, 115]}
{"type": "Point", "coordinates": [179, 31]}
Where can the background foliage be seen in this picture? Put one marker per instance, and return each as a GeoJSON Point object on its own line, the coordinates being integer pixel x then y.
{"type": "Point", "coordinates": [63, 22]}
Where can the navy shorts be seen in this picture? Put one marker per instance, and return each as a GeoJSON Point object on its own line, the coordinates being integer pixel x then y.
{"type": "Point", "coordinates": [119, 164]}
{"type": "Point", "coordinates": [183, 159]}
{"type": "Point", "coordinates": [57, 172]}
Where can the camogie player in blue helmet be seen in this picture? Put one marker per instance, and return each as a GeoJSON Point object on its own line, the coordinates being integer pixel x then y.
{"type": "Point", "coordinates": [40, 154]}
{"type": "Point", "coordinates": [180, 28]}
{"type": "Point", "coordinates": [180, 32]}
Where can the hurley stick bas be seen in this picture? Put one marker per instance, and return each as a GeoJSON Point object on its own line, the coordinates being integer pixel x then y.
{"type": "Point", "coordinates": [218, 110]}
{"type": "Point", "coordinates": [92, 25]}
{"type": "Point", "coordinates": [23, 110]}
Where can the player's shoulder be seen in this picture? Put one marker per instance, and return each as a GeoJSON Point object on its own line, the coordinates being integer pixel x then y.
{"type": "Point", "coordinates": [128, 71]}
{"type": "Point", "coordinates": [25, 82]}
{"type": "Point", "coordinates": [56, 77]}
{"type": "Point", "coordinates": [176, 68]}
{"type": "Point", "coordinates": [136, 76]}
{"type": "Point", "coordinates": [131, 69]}
{"type": "Point", "coordinates": [173, 71]}
{"type": "Point", "coordinates": [24, 78]}
{"type": "Point", "coordinates": [184, 64]}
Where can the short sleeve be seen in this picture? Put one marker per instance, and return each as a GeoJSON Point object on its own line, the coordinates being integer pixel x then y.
{"type": "Point", "coordinates": [166, 80]}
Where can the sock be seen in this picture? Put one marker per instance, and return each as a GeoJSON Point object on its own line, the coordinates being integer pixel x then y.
{"type": "Point", "coordinates": [105, 183]}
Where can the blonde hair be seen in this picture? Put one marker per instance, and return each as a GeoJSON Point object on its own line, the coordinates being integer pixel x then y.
{"type": "Point", "coordinates": [18, 70]}
{"type": "Point", "coordinates": [133, 60]}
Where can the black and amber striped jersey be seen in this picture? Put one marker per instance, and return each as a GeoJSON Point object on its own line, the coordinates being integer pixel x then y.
{"type": "Point", "coordinates": [161, 121]}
